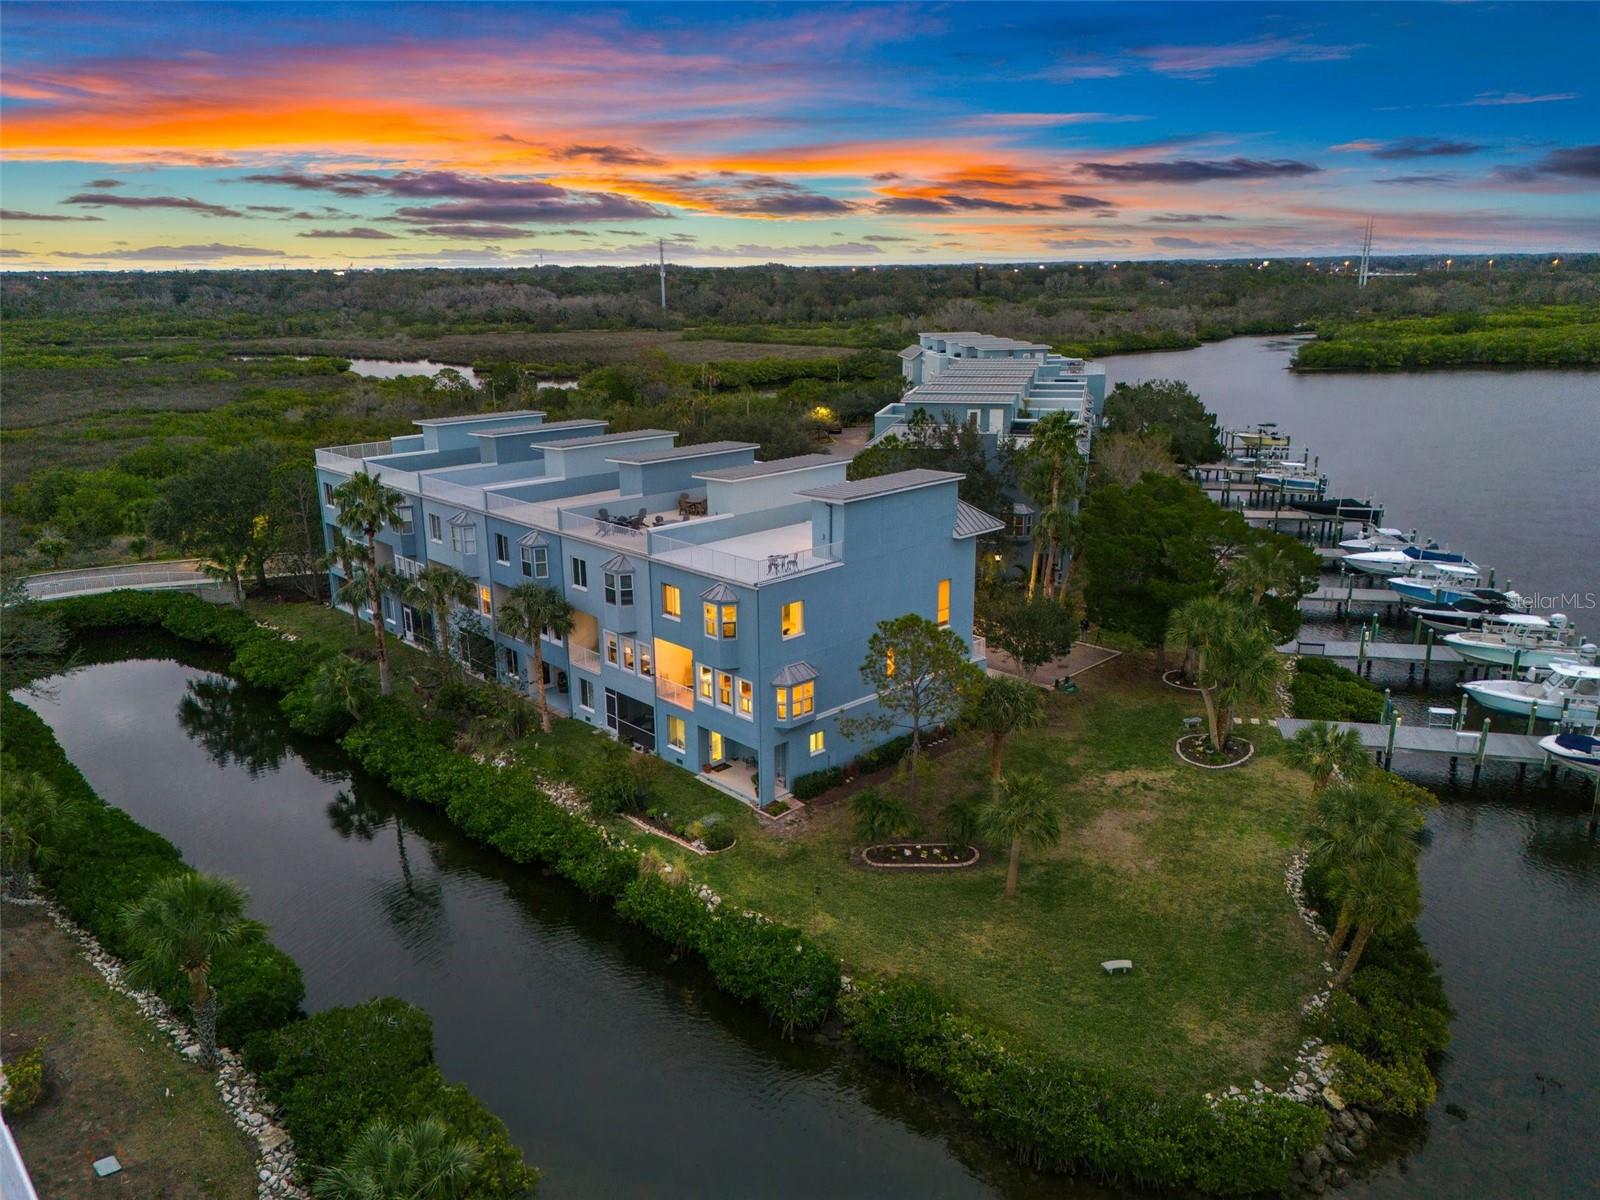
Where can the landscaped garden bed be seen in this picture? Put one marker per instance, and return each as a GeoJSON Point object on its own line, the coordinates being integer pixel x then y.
{"type": "Point", "coordinates": [919, 856]}
{"type": "Point", "coordinates": [1196, 750]}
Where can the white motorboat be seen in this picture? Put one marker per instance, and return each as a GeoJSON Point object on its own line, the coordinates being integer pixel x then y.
{"type": "Point", "coordinates": [1381, 538]}
{"type": "Point", "coordinates": [1403, 560]}
{"type": "Point", "coordinates": [1523, 644]}
{"type": "Point", "coordinates": [1286, 478]}
{"type": "Point", "coordinates": [1438, 583]}
{"type": "Point", "coordinates": [1580, 751]}
{"type": "Point", "coordinates": [1563, 690]}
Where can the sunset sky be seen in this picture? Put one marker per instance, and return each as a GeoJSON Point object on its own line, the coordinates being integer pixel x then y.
{"type": "Point", "coordinates": [153, 136]}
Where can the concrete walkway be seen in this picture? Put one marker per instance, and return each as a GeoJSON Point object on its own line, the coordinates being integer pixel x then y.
{"type": "Point", "coordinates": [1083, 656]}
{"type": "Point", "coordinates": [87, 581]}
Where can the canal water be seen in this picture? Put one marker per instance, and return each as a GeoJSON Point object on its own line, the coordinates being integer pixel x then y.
{"type": "Point", "coordinates": [1499, 465]}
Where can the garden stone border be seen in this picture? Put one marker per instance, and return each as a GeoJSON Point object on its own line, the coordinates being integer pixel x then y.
{"type": "Point", "coordinates": [276, 1163]}
{"type": "Point", "coordinates": [1178, 749]}
{"type": "Point", "coordinates": [916, 866]}
{"type": "Point", "coordinates": [1166, 678]}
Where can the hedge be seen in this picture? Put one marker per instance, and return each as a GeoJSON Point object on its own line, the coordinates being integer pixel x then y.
{"type": "Point", "coordinates": [1051, 1114]}
{"type": "Point", "coordinates": [334, 1072]}
{"type": "Point", "coordinates": [1325, 691]}
{"type": "Point", "coordinates": [886, 755]}
{"type": "Point", "coordinates": [108, 861]}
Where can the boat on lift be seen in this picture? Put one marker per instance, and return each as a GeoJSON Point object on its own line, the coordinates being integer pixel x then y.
{"type": "Point", "coordinates": [1485, 608]}
{"type": "Point", "coordinates": [1562, 691]}
{"type": "Point", "coordinates": [1292, 477]}
{"type": "Point", "coordinates": [1438, 583]}
{"type": "Point", "coordinates": [1581, 751]}
{"type": "Point", "coordinates": [1264, 435]}
{"type": "Point", "coordinates": [1381, 538]}
{"type": "Point", "coordinates": [1346, 508]}
{"type": "Point", "coordinates": [1518, 646]}
{"type": "Point", "coordinates": [1405, 560]}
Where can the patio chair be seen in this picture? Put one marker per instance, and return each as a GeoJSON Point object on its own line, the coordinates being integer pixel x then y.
{"type": "Point", "coordinates": [638, 520]}
{"type": "Point", "coordinates": [602, 515]}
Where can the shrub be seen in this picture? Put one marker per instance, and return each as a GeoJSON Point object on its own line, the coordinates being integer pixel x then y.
{"type": "Point", "coordinates": [771, 964]}
{"type": "Point", "coordinates": [961, 820]}
{"type": "Point", "coordinates": [24, 1081]}
{"type": "Point", "coordinates": [1402, 1086]}
{"type": "Point", "coordinates": [672, 912]}
{"type": "Point", "coordinates": [880, 816]}
{"type": "Point", "coordinates": [777, 808]}
{"type": "Point", "coordinates": [1325, 691]}
{"type": "Point", "coordinates": [807, 787]}
{"type": "Point", "coordinates": [618, 781]}
{"type": "Point", "coordinates": [267, 661]}
{"type": "Point", "coordinates": [333, 1073]}
{"type": "Point", "coordinates": [718, 837]}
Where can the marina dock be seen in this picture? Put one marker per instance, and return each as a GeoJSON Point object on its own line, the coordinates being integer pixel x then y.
{"type": "Point", "coordinates": [1480, 746]}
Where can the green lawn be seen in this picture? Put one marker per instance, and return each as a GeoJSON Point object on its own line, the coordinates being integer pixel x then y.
{"type": "Point", "coordinates": [1179, 869]}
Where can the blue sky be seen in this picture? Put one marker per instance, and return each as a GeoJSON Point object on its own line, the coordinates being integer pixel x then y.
{"type": "Point", "coordinates": [372, 134]}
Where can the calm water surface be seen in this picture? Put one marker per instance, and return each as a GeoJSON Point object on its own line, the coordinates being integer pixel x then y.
{"type": "Point", "coordinates": [1502, 466]}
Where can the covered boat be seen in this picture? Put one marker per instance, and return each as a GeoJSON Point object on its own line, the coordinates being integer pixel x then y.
{"type": "Point", "coordinates": [1579, 750]}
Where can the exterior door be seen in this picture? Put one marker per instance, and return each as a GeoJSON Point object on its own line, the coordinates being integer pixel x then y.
{"type": "Point", "coordinates": [717, 749]}
{"type": "Point", "coordinates": [780, 764]}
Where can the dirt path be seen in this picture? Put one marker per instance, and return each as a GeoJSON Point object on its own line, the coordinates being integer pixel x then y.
{"type": "Point", "coordinates": [113, 1085]}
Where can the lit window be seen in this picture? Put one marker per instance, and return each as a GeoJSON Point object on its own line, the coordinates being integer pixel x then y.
{"type": "Point", "coordinates": [724, 689]}
{"type": "Point", "coordinates": [580, 573]}
{"type": "Point", "coordinates": [627, 654]}
{"type": "Point", "coordinates": [671, 601]}
{"type": "Point", "coordinates": [943, 605]}
{"type": "Point", "coordinates": [677, 733]}
{"type": "Point", "coordinates": [486, 601]}
{"type": "Point", "coordinates": [818, 742]}
{"type": "Point", "coordinates": [730, 621]}
{"type": "Point", "coordinates": [502, 548]}
{"type": "Point", "coordinates": [711, 620]}
{"type": "Point", "coordinates": [611, 648]}
{"type": "Point", "coordinates": [717, 750]}
{"type": "Point", "coordinates": [646, 667]}
{"type": "Point", "coordinates": [747, 698]}
{"type": "Point", "coordinates": [435, 530]}
{"type": "Point", "coordinates": [783, 704]}
{"type": "Point", "coordinates": [802, 698]}
{"type": "Point", "coordinates": [888, 662]}
{"type": "Point", "coordinates": [705, 683]}
{"type": "Point", "coordinates": [792, 618]}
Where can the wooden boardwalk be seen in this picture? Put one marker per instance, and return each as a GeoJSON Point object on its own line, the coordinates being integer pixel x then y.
{"type": "Point", "coordinates": [1516, 748]}
{"type": "Point", "coordinates": [1406, 652]}
{"type": "Point", "coordinates": [1357, 595]}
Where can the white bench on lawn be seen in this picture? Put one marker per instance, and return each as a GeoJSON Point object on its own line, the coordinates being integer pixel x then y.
{"type": "Point", "coordinates": [1112, 966]}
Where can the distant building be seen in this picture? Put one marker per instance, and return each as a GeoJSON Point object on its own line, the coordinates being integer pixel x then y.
{"type": "Point", "coordinates": [1000, 385]}
{"type": "Point", "coordinates": [723, 604]}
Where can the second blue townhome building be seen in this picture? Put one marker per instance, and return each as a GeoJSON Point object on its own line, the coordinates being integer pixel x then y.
{"type": "Point", "coordinates": [723, 605]}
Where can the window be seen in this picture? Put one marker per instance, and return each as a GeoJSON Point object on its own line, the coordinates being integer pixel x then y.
{"type": "Point", "coordinates": [677, 733]}
{"type": "Point", "coordinates": [619, 588]}
{"type": "Point", "coordinates": [580, 574]}
{"type": "Point", "coordinates": [722, 622]}
{"type": "Point", "coordinates": [888, 662]}
{"type": "Point", "coordinates": [724, 689]}
{"type": "Point", "coordinates": [327, 494]}
{"type": "Point", "coordinates": [464, 539]}
{"type": "Point", "coordinates": [671, 601]}
{"type": "Point", "coordinates": [435, 530]}
{"type": "Point", "coordinates": [514, 663]}
{"type": "Point", "coordinates": [792, 618]}
{"type": "Point", "coordinates": [535, 562]}
{"type": "Point", "coordinates": [783, 704]}
{"type": "Point", "coordinates": [942, 605]}
{"type": "Point", "coordinates": [802, 698]}
{"type": "Point", "coordinates": [627, 654]}
{"type": "Point", "coordinates": [705, 683]}
{"type": "Point", "coordinates": [818, 742]}
{"type": "Point", "coordinates": [403, 525]}
{"type": "Point", "coordinates": [611, 648]}
{"type": "Point", "coordinates": [717, 751]}
{"type": "Point", "coordinates": [747, 698]}
{"type": "Point", "coordinates": [486, 602]}
{"type": "Point", "coordinates": [502, 548]}
{"type": "Point", "coordinates": [646, 667]}
{"type": "Point", "coordinates": [711, 620]}
{"type": "Point", "coordinates": [585, 694]}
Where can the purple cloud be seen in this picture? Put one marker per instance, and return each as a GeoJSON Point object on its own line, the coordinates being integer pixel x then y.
{"type": "Point", "coordinates": [112, 200]}
{"type": "Point", "coordinates": [1569, 162]}
{"type": "Point", "coordinates": [1191, 170]}
{"type": "Point", "coordinates": [359, 231]}
{"type": "Point", "coordinates": [17, 214]}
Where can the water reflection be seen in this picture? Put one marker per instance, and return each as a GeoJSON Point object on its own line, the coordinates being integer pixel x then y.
{"type": "Point", "coordinates": [414, 907]}
{"type": "Point", "coordinates": [213, 713]}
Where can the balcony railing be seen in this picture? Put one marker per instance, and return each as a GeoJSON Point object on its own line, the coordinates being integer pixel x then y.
{"type": "Point", "coordinates": [680, 694]}
{"type": "Point", "coordinates": [410, 568]}
{"type": "Point", "coordinates": [743, 568]}
{"type": "Point", "coordinates": [584, 659]}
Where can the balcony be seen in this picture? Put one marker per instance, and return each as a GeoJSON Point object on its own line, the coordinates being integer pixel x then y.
{"type": "Point", "coordinates": [673, 692]}
{"type": "Point", "coordinates": [754, 569]}
{"type": "Point", "coordinates": [409, 568]}
{"type": "Point", "coordinates": [583, 658]}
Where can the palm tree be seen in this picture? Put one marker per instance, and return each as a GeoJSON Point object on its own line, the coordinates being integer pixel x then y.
{"type": "Point", "coordinates": [1356, 831]}
{"type": "Point", "coordinates": [366, 505]}
{"type": "Point", "coordinates": [1000, 707]}
{"type": "Point", "coordinates": [420, 1161]}
{"type": "Point", "coordinates": [1236, 661]}
{"type": "Point", "coordinates": [1052, 468]}
{"type": "Point", "coordinates": [881, 816]}
{"type": "Point", "coordinates": [181, 924]}
{"type": "Point", "coordinates": [527, 609]}
{"type": "Point", "coordinates": [1326, 752]}
{"type": "Point", "coordinates": [344, 555]}
{"type": "Point", "coordinates": [345, 684]}
{"type": "Point", "coordinates": [1264, 567]}
{"type": "Point", "coordinates": [436, 589]}
{"type": "Point", "coordinates": [1382, 901]}
{"type": "Point", "coordinates": [34, 816]}
{"type": "Point", "coordinates": [1023, 810]}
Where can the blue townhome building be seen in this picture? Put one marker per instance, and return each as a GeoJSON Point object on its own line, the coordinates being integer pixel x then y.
{"type": "Point", "coordinates": [1002, 385]}
{"type": "Point", "coordinates": [723, 605]}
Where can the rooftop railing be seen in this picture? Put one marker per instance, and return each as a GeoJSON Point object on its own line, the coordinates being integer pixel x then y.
{"type": "Point", "coordinates": [747, 569]}
{"type": "Point", "coordinates": [453, 493]}
{"type": "Point", "coordinates": [583, 526]}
